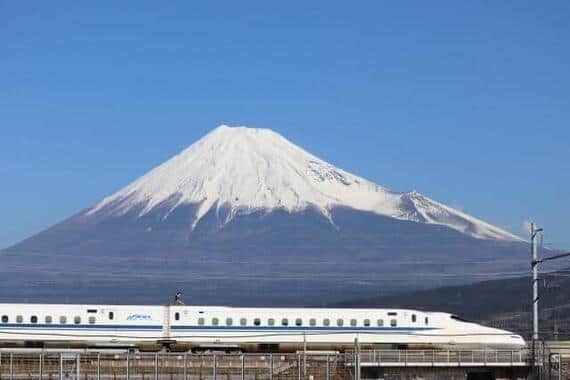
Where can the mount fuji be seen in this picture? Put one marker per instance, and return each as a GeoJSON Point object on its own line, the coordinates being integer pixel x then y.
{"type": "Point", "coordinates": [245, 216]}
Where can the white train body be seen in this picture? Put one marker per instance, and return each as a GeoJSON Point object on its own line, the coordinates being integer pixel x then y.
{"type": "Point", "coordinates": [250, 329]}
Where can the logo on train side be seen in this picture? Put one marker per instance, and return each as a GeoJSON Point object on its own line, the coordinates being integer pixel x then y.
{"type": "Point", "coordinates": [139, 317]}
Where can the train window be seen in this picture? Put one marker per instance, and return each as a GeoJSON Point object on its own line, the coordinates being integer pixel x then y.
{"type": "Point", "coordinates": [63, 319]}
{"type": "Point", "coordinates": [312, 322]}
{"type": "Point", "coordinates": [48, 319]}
{"type": "Point", "coordinates": [201, 321]}
{"type": "Point", "coordinates": [229, 321]}
{"type": "Point", "coordinates": [111, 315]}
{"type": "Point", "coordinates": [392, 314]}
{"type": "Point", "coordinates": [177, 316]}
{"type": "Point", "coordinates": [298, 322]}
{"type": "Point", "coordinates": [215, 321]}
{"type": "Point", "coordinates": [243, 321]}
{"type": "Point", "coordinates": [339, 322]}
{"type": "Point", "coordinates": [353, 322]}
{"type": "Point", "coordinates": [5, 319]}
{"type": "Point", "coordinates": [380, 322]}
{"type": "Point", "coordinates": [427, 320]}
{"type": "Point", "coordinates": [19, 319]}
{"type": "Point", "coordinates": [91, 320]}
{"type": "Point", "coordinates": [413, 318]}
{"type": "Point", "coordinates": [367, 322]}
{"type": "Point", "coordinates": [393, 322]}
{"type": "Point", "coordinates": [257, 321]}
{"type": "Point", "coordinates": [33, 319]}
{"type": "Point", "coordinates": [326, 322]}
{"type": "Point", "coordinates": [284, 322]}
{"type": "Point", "coordinates": [77, 319]}
{"type": "Point", "coordinates": [91, 310]}
{"type": "Point", "coordinates": [271, 322]}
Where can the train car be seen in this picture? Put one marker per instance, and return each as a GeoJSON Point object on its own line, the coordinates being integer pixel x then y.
{"type": "Point", "coordinates": [211, 328]}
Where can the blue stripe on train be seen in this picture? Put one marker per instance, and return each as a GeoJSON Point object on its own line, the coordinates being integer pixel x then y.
{"type": "Point", "coordinates": [213, 328]}
{"type": "Point", "coordinates": [300, 328]}
{"type": "Point", "coordinates": [78, 326]}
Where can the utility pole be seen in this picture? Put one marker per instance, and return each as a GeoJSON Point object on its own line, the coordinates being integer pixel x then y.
{"type": "Point", "coordinates": [304, 356]}
{"type": "Point", "coordinates": [534, 265]}
{"type": "Point", "coordinates": [357, 370]}
{"type": "Point", "coordinates": [534, 250]}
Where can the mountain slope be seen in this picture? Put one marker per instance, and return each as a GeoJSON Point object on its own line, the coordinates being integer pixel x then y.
{"type": "Point", "coordinates": [245, 216]}
{"type": "Point", "coordinates": [245, 170]}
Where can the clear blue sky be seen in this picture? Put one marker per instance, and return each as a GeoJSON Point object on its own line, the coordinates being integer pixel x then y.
{"type": "Point", "coordinates": [467, 102]}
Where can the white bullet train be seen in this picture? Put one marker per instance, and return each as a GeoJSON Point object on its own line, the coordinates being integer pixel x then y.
{"type": "Point", "coordinates": [201, 328]}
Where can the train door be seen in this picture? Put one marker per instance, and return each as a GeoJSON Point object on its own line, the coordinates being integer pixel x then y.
{"type": "Point", "coordinates": [166, 323]}
{"type": "Point", "coordinates": [108, 315]}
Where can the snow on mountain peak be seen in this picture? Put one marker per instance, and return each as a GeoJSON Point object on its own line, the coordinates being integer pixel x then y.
{"type": "Point", "coordinates": [249, 169]}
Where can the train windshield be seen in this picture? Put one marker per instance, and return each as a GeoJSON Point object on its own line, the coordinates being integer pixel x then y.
{"type": "Point", "coordinates": [458, 318]}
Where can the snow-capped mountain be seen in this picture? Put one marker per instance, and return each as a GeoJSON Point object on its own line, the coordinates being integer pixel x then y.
{"type": "Point", "coordinates": [246, 170]}
{"type": "Point", "coordinates": [244, 216]}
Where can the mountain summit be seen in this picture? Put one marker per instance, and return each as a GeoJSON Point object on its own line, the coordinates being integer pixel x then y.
{"type": "Point", "coordinates": [244, 216]}
{"type": "Point", "coordinates": [243, 170]}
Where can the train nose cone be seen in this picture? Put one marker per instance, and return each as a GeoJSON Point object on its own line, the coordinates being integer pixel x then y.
{"type": "Point", "coordinates": [518, 341]}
